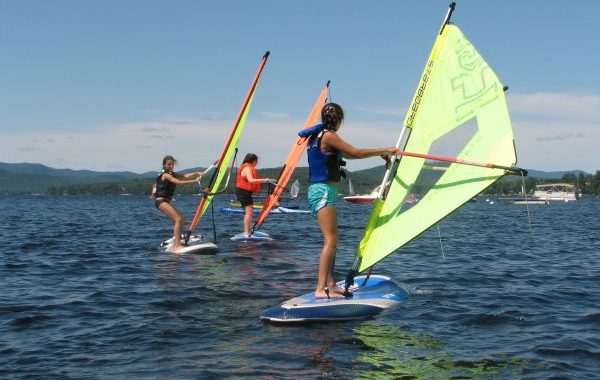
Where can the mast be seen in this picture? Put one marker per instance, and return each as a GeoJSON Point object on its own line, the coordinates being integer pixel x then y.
{"type": "Point", "coordinates": [230, 144]}
{"type": "Point", "coordinates": [407, 126]}
{"type": "Point", "coordinates": [457, 88]}
{"type": "Point", "coordinates": [292, 160]}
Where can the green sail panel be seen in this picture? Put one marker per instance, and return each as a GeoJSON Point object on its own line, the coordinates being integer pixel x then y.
{"type": "Point", "coordinates": [457, 87]}
{"type": "Point", "coordinates": [223, 170]}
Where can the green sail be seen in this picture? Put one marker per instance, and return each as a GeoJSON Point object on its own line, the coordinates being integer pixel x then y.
{"type": "Point", "coordinates": [228, 156]}
{"type": "Point", "coordinates": [228, 151]}
{"type": "Point", "coordinates": [457, 87]}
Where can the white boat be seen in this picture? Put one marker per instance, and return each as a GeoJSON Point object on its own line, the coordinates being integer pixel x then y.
{"type": "Point", "coordinates": [370, 198]}
{"type": "Point", "coordinates": [565, 192]}
{"type": "Point", "coordinates": [523, 199]}
{"type": "Point", "coordinates": [361, 198]}
{"type": "Point", "coordinates": [528, 201]}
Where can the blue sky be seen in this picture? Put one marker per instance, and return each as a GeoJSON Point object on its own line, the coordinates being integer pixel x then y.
{"type": "Point", "coordinates": [116, 85]}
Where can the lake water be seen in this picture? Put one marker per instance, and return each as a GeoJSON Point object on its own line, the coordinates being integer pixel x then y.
{"type": "Point", "coordinates": [86, 294]}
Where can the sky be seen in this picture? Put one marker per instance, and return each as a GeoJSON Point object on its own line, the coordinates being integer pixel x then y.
{"type": "Point", "coordinates": [116, 85]}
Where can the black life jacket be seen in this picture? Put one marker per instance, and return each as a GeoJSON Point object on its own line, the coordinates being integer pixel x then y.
{"type": "Point", "coordinates": [164, 189]}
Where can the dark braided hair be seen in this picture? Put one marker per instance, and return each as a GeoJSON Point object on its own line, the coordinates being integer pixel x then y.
{"type": "Point", "coordinates": [332, 115]}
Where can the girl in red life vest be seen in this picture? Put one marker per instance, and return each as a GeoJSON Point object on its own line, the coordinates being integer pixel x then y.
{"type": "Point", "coordinates": [247, 182]}
{"type": "Point", "coordinates": [163, 191]}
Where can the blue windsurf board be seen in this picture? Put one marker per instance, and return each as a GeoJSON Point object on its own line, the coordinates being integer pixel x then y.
{"type": "Point", "coordinates": [256, 236]}
{"type": "Point", "coordinates": [367, 299]}
{"type": "Point", "coordinates": [278, 210]}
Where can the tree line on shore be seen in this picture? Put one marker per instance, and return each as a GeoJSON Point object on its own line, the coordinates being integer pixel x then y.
{"type": "Point", "coordinates": [586, 184]}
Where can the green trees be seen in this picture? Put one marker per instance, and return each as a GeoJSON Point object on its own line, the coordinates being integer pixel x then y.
{"type": "Point", "coordinates": [363, 182]}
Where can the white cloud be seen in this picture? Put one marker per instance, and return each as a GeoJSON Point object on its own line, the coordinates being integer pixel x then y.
{"type": "Point", "coordinates": [563, 137]}
{"type": "Point", "coordinates": [131, 146]}
{"type": "Point", "coordinates": [556, 131]}
{"type": "Point", "coordinates": [552, 132]}
{"type": "Point", "coordinates": [153, 129]}
{"type": "Point", "coordinates": [564, 106]}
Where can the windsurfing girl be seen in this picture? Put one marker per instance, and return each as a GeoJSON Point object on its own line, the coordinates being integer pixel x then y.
{"type": "Point", "coordinates": [248, 181]}
{"type": "Point", "coordinates": [163, 191]}
{"type": "Point", "coordinates": [325, 151]}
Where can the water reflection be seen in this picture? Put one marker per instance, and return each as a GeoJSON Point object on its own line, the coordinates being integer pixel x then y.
{"type": "Point", "coordinates": [389, 352]}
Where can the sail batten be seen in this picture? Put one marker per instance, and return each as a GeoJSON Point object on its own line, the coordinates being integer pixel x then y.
{"type": "Point", "coordinates": [457, 87]}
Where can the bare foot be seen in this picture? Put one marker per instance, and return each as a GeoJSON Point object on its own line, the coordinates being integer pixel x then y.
{"type": "Point", "coordinates": [327, 294]}
{"type": "Point", "coordinates": [337, 289]}
{"type": "Point", "coordinates": [321, 294]}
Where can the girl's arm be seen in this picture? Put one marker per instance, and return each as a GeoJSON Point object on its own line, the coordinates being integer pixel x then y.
{"type": "Point", "coordinates": [331, 141]}
{"type": "Point", "coordinates": [247, 173]}
{"type": "Point", "coordinates": [178, 179]}
{"type": "Point", "coordinates": [195, 176]}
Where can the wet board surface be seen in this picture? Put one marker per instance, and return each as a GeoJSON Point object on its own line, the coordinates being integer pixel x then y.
{"type": "Point", "coordinates": [196, 244]}
{"type": "Point", "coordinates": [257, 236]}
{"type": "Point", "coordinates": [378, 294]}
{"type": "Point", "coordinates": [278, 210]}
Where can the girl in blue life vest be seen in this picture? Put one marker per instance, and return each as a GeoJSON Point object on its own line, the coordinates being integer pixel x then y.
{"type": "Point", "coordinates": [163, 191]}
{"type": "Point", "coordinates": [325, 151]}
{"type": "Point", "coordinates": [247, 182]}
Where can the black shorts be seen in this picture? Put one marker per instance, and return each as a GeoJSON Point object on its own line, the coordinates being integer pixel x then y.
{"type": "Point", "coordinates": [158, 201]}
{"type": "Point", "coordinates": [244, 196]}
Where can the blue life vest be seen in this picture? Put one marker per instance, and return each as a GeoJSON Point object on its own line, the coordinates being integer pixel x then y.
{"type": "Point", "coordinates": [323, 167]}
{"type": "Point", "coordinates": [164, 189]}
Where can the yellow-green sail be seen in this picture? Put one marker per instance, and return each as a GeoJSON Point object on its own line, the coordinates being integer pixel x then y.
{"type": "Point", "coordinates": [457, 88]}
{"type": "Point", "coordinates": [228, 150]}
{"type": "Point", "coordinates": [228, 156]}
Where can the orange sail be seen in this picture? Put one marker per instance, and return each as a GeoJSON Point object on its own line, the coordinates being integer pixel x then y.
{"type": "Point", "coordinates": [228, 150]}
{"type": "Point", "coordinates": [292, 160]}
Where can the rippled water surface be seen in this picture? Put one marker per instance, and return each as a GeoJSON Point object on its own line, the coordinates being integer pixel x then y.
{"type": "Point", "coordinates": [85, 293]}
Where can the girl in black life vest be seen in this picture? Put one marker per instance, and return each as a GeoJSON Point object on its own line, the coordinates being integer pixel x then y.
{"type": "Point", "coordinates": [163, 191]}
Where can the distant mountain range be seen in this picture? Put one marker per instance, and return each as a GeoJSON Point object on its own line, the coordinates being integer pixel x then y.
{"type": "Point", "coordinates": [37, 178]}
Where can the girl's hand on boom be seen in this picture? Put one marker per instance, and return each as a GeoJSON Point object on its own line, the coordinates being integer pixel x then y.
{"type": "Point", "coordinates": [388, 153]}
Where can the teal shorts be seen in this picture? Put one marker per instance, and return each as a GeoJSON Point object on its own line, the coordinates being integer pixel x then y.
{"type": "Point", "coordinates": [321, 195]}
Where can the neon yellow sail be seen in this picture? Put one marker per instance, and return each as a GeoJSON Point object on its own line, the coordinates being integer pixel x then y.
{"type": "Point", "coordinates": [228, 150]}
{"type": "Point", "coordinates": [457, 87]}
{"type": "Point", "coordinates": [227, 157]}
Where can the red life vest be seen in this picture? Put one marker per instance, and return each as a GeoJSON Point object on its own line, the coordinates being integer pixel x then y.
{"type": "Point", "coordinates": [242, 183]}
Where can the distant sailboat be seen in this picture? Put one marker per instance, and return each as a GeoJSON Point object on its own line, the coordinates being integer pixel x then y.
{"type": "Point", "coordinates": [352, 197]}
{"type": "Point", "coordinates": [363, 198]}
{"type": "Point", "coordinates": [295, 189]}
